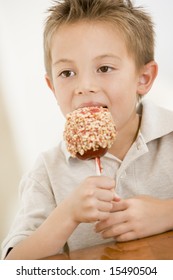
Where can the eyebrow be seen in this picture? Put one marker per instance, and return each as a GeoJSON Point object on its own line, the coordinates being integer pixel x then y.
{"type": "Point", "coordinates": [66, 60]}
{"type": "Point", "coordinates": [62, 60]}
{"type": "Point", "coordinates": [108, 56]}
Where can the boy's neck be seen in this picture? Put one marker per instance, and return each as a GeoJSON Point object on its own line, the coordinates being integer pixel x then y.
{"type": "Point", "coordinates": [125, 139]}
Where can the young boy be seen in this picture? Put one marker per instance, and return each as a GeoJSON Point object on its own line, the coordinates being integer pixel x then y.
{"type": "Point", "coordinates": [99, 53]}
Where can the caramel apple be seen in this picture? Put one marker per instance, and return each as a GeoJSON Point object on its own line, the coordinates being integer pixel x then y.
{"type": "Point", "coordinates": [89, 132]}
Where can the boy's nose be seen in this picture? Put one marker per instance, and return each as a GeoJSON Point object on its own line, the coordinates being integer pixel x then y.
{"type": "Point", "coordinates": [85, 91]}
{"type": "Point", "coordinates": [86, 86]}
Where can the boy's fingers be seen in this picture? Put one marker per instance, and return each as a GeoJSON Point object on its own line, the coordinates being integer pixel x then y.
{"type": "Point", "coordinates": [105, 195]}
{"type": "Point", "coordinates": [104, 206]}
{"type": "Point", "coordinates": [101, 182]}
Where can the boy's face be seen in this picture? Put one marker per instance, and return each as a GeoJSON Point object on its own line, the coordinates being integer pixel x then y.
{"type": "Point", "coordinates": [91, 66]}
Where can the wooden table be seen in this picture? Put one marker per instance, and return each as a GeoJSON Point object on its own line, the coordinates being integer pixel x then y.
{"type": "Point", "coordinates": [158, 247]}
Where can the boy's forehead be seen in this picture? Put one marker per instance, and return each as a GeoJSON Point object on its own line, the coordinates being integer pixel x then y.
{"type": "Point", "coordinates": [84, 31]}
{"type": "Point", "coordinates": [92, 41]}
{"type": "Point", "coordinates": [88, 25]}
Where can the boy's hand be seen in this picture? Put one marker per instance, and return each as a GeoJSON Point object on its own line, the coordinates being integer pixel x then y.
{"type": "Point", "coordinates": [137, 218]}
{"type": "Point", "coordinates": [92, 200]}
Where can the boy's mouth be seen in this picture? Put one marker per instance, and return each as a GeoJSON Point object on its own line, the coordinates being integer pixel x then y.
{"type": "Point", "coordinates": [93, 104]}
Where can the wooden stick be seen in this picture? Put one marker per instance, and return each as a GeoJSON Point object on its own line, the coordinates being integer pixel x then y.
{"type": "Point", "coordinates": [98, 166]}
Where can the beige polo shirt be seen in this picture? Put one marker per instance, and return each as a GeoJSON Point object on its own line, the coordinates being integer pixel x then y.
{"type": "Point", "coordinates": [146, 169]}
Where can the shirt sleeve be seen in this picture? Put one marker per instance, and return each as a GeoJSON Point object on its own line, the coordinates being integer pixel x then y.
{"type": "Point", "coordinates": [37, 201]}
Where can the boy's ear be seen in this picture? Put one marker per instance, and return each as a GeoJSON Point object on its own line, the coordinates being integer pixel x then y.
{"type": "Point", "coordinates": [147, 76]}
{"type": "Point", "coordinates": [49, 83]}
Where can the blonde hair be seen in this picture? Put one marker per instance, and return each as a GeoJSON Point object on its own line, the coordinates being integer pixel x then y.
{"type": "Point", "coordinates": [134, 24]}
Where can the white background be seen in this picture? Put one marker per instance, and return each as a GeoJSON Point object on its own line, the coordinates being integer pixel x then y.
{"type": "Point", "coordinates": [35, 118]}
{"type": "Point", "coordinates": [29, 109]}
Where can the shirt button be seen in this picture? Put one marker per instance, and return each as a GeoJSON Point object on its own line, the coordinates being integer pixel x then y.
{"type": "Point", "coordinates": [138, 147]}
{"type": "Point", "coordinates": [123, 175]}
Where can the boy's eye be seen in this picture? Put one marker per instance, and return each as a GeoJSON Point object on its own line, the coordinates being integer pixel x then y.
{"type": "Point", "coordinates": [67, 74]}
{"type": "Point", "coordinates": [104, 69]}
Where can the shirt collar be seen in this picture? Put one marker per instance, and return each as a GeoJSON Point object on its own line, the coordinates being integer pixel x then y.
{"type": "Point", "coordinates": [156, 121]}
{"type": "Point", "coordinates": [65, 151]}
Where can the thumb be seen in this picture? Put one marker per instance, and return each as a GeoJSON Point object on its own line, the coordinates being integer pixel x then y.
{"type": "Point", "coordinates": [118, 205]}
{"type": "Point", "coordinates": [116, 197]}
